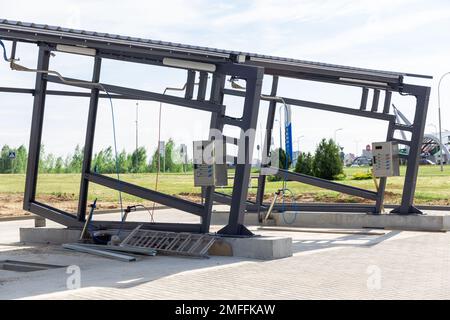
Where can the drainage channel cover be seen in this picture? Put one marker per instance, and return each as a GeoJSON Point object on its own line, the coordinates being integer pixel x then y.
{"type": "Point", "coordinates": [22, 266]}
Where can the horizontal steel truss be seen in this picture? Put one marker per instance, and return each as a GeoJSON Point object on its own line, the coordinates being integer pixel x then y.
{"type": "Point", "coordinates": [365, 110]}
{"type": "Point", "coordinates": [251, 74]}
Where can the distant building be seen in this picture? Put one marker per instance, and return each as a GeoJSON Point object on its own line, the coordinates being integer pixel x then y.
{"type": "Point", "coordinates": [367, 152]}
{"type": "Point", "coordinates": [348, 159]}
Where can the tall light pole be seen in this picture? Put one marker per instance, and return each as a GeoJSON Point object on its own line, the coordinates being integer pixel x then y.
{"type": "Point", "coordinates": [440, 123]}
{"type": "Point", "coordinates": [298, 143]}
{"type": "Point", "coordinates": [335, 133]}
{"type": "Point", "coordinates": [137, 118]}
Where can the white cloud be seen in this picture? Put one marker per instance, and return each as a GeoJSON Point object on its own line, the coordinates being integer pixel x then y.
{"type": "Point", "coordinates": [373, 30]}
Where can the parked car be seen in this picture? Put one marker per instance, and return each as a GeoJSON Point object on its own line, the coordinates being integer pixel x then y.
{"type": "Point", "coordinates": [362, 162]}
{"type": "Point", "coordinates": [426, 162]}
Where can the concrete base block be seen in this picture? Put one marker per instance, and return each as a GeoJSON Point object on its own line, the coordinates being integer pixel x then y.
{"type": "Point", "coordinates": [265, 248]}
{"type": "Point", "coordinates": [40, 222]}
{"type": "Point", "coordinates": [221, 218]}
{"type": "Point", "coordinates": [362, 220]}
{"type": "Point", "coordinates": [49, 235]}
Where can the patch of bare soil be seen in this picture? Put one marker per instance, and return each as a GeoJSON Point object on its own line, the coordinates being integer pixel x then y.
{"type": "Point", "coordinates": [11, 204]}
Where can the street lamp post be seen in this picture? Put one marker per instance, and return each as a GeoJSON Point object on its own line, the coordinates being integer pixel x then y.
{"type": "Point", "coordinates": [335, 133]}
{"type": "Point", "coordinates": [298, 143]}
{"type": "Point", "coordinates": [137, 115]}
{"type": "Point", "coordinates": [440, 123]}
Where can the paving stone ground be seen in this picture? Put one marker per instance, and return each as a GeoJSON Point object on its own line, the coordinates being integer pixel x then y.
{"type": "Point", "coordinates": [388, 265]}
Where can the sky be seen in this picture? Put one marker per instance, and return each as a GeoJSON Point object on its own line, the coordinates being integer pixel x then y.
{"type": "Point", "coordinates": [399, 35]}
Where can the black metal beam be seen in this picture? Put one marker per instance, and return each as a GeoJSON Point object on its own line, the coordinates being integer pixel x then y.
{"type": "Point", "coordinates": [36, 129]}
{"type": "Point", "coordinates": [216, 123]}
{"type": "Point", "coordinates": [190, 83]}
{"type": "Point", "coordinates": [267, 140]}
{"type": "Point", "coordinates": [59, 216]}
{"type": "Point", "coordinates": [364, 96]}
{"type": "Point", "coordinates": [147, 194]}
{"type": "Point", "coordinates": [144, 95]}
{"type": "Point", "coordinates": [202, 85]}
{"type": "Point", "coordinates": [387, 101]}
{"type": "Point", "coordinates": [162, 226]}
{"type": "Point", "coordinates": [422, 95]}
{"type": "Point", "coordinates": [323, 106]}
{"type": "Point", "coordinates": [322, 183]}
{"type": "Point", "coordinates": [325, 207]}
{"type": "Point", "coordinates": [375, 100]}
{"type": "Point", "coordinates": [71, 221]}
{"type": "Point", "coordinates": [253, 76]}
{"type": "Point", "coordinates": [89, 142]}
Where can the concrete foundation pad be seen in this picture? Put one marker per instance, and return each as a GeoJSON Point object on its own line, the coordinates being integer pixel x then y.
{"type": "Point", "coordinates": [264, 248]}
{"type": "Point", "coordinates": [421, 222]}
{"type": "Point", "coordinates": [49, 235]}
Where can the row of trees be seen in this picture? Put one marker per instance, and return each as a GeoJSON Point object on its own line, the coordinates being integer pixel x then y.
{"type": "Point", "coordinates": [325, 163]}
{"type": "Point", "coordinates": [104, 161]}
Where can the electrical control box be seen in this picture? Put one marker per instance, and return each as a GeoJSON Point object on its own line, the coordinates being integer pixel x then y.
{"type": "Point", "coordinates": [210, 167]}
{"type": "Point", "coordinates": [385, 159]}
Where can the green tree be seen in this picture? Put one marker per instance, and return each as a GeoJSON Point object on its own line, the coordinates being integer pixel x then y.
{"type": "Point", "coordinates": [21, 159]}
{"type": "Point", "coordinates": [168, 161]}
{"type": "Point", "coordinates": [5, 162]}
{"type": "Point", "coordinates": [104, 161]}
{"type": "Point", "coordinates": [304, 164]}
{"type": "Point", "coordinates": [138, 162]}
{"type": "Point", "coordinates": [327, 163]}
{"type": "Point", "coordinates": [59, 165]}
{"type": "Point", "coordinates": [76, 160]}
{"type": "Point", "coordinates": [153, 167]}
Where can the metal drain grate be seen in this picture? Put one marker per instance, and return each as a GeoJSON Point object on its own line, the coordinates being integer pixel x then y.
{"type": "Point", "coordinates": [185, 244]}
{"type": "Point", "coordinates": [22, 266]}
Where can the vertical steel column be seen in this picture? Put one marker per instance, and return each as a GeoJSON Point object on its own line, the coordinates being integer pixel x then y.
{"type": "Point", "coordinates": [217, 86]}
{"type": "Point", "coordinates": [375, 100]}
{"type": "Point", "coordinates": [249, 120]}
{"type": "Point", "coordinates": [364, 97]}
{"type": "Point", "coordinates": [190, 83]}
{"type": "Point", "coordinates": [36, 129]}
{"type": "Point", "coordinates": [387, 102]}
{"type": "Point", "coordinates": [89, 141]}
{"type": "Point", "coordinates": [203, 82]}
{"type": "Point", "coordinates": [422, 95]}
{"type": "Point", "coordinates": [266, 146]}
{"type": "Point", "coordinates": [382, 185]}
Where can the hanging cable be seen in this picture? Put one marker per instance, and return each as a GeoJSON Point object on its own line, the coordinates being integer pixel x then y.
{"type": "Point", "coordinates": [18, 67]}
{"type": "Point", "coordinates": [159, 139]}
{"type": "Point", "coordinates": [5, 57]}
{"type": "Point", "coordinates": [286, 162]}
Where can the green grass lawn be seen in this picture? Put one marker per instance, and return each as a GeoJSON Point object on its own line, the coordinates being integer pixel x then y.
{"type": "Point", "coordinates": [433, 186]}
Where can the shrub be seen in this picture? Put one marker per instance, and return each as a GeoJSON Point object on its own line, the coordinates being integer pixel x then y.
{"type": "Point", "coordinates": [327, 162]}
{"type": "Point", "coordinates": [304, 164]}
{"type": "Point", "coordinates": [362, 175]}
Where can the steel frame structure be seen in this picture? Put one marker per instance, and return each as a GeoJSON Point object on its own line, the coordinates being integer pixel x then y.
{"type": "Point", "coordinates": [247, 66]}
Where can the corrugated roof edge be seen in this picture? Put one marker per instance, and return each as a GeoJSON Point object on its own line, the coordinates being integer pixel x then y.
{"type": "Point", "coordinates": [206, 49]}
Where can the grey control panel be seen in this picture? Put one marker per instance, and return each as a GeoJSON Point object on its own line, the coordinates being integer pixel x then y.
{"type": "Point", "coordinates": [385, 159]}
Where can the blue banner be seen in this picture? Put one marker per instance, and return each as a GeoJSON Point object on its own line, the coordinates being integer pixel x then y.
{"type": "Point", "coordinates": [288, 140]}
